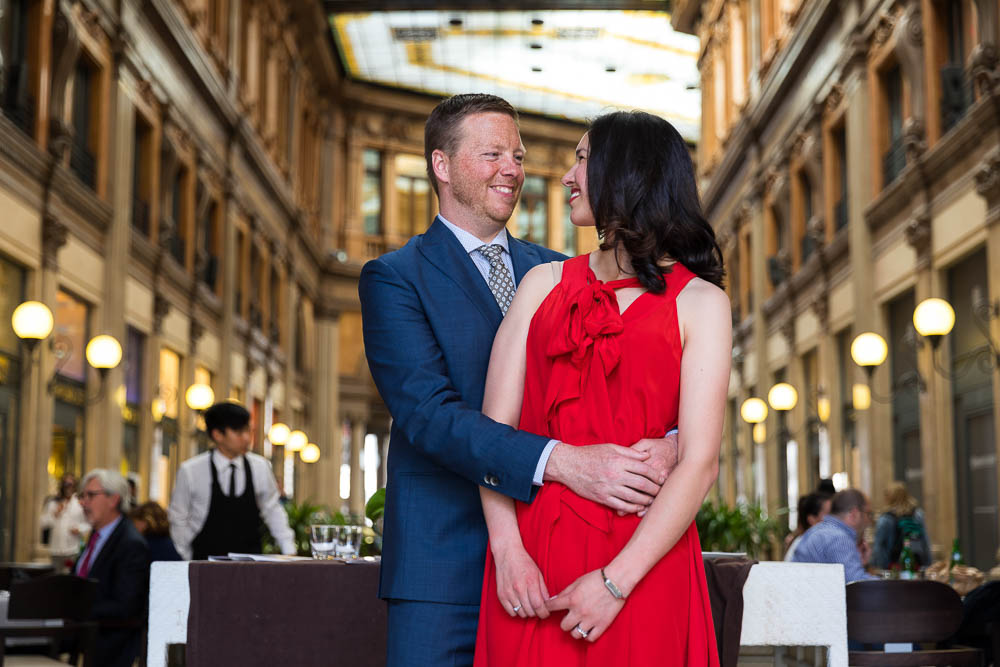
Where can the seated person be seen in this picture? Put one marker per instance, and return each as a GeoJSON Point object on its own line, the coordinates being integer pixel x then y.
{"type": "Point", "coordinates": [835, 539]}
{"type": "Point", "coordinates": [116, 556]}
{"type": "Point", "coordinates": [812, 508]}
{"type": "Point", "coordinates": [151, 521]}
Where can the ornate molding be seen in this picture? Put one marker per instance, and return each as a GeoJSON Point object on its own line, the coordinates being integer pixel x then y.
{"type": "Point", "coordinates": [884, 29]}
{"type": "Point", "coordinates": [914, 138]}
{"type": "Point", "coordinates": [985, 73]}
{"type": "Point", "coordinates": [988, 182]}
{"type": "Point", "coordinates": [787, 328]}
{"type": "Point", "coordinates": [54, 237]}
{"type": "Point", "coordinates": [821, 309]}
{"type": "Point", "coordinates": [834, 98]}
{"type": "Point", "coordinates": [918, 236]}
{"type": "Point", "coordinates": [160, 309]}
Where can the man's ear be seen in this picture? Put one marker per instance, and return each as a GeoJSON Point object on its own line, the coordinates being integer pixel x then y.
{"type": "Point", "coordinates": [441, 165]}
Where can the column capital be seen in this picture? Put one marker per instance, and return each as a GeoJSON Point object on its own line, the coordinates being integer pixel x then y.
{"type": "Point", "coordinates": [160, 309]}
{"type": "Point", "coordinates": [322, 310]}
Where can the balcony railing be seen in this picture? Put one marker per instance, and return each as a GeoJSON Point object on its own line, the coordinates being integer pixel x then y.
{"type": "Point", "coordinates": [893, 161]}
{"type": "Point", "coordinates": [840, 213]}
{"type": "Point", "coordinates": [956, 95]}
{"type": "Point", "coordinates": [140, 216]}
{"type": "Point", "coordinates": [83, 164]}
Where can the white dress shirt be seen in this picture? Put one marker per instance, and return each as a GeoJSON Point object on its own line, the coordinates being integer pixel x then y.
{"type": "Point", "coordinates": [192, 496]}
{"type": "Point", "coordinates": [471, 244]}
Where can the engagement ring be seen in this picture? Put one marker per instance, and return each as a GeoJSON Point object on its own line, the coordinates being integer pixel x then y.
{"type": "Point", "coordinates": [583, 633]}
{"type": "Point", "coordinates": [517, 609]}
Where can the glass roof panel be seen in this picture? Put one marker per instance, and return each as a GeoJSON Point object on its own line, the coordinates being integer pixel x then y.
{"type": "Point", "coordinates": [560, 63]}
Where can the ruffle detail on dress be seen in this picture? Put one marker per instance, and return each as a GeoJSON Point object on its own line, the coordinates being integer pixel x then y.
{"type": "Point", "coordinates": [587, 347]}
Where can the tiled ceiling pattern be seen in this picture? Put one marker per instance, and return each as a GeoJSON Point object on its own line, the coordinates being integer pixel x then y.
{"type": "Point", "coordinates": [565, 64]}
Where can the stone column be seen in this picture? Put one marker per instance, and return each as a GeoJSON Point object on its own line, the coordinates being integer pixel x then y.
{"type": "Point", "coordinates": [761, 375]}
{"type": "Point", "coordinates": [354, 235]}
{"type": "Point", "coordinates": [828, 378]}
{"type": "Point", "coordinates": [859, 237]}
{"type": "Point", "coordinates": [988, 185]}
{"type": "Point", "coordinates": [36, 403]}
{"type": "Point", "coordinates": [326, 394]}
{"type": "Point", "coordinates": [358, 431]}
{"type": "Point", "coordinates": [936, 440]}
{"type": "Point", "coordinates": [105, 443]}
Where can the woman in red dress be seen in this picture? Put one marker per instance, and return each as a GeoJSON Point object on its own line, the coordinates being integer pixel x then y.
{"type": "Point", "coordinates": [622, 344]}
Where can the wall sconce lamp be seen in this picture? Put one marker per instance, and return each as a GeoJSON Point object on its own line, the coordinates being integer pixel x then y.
{"type": "Point", "coordinates": [278, 435]}
{"type": "Point", "coordinates": [32, 322]}
{"type": "Point", "coordinates": [297, 441]}
{"type": "Point", "coordinates": [310, 453]}
{"type": "Point", "coordinates": [754, 412]}
{"type": "Point", "coordinates": [934, 318]}
{"type": "Point", "coordinates": [869, 350]}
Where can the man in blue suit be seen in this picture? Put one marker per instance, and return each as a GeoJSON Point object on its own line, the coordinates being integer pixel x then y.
{"type": "Point", "coordinates": [430, 312]}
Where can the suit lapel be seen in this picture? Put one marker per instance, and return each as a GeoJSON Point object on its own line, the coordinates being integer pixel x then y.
{"type": "Point", "coordinates": [444, 251]}
{"type": "Point", "coordinates": [523, 256]}
{"type": "Point", "coordinates": [109, 547]}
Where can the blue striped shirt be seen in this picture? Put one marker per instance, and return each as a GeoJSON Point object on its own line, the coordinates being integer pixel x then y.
{"type": "Point", "coordinates": [832, 541]}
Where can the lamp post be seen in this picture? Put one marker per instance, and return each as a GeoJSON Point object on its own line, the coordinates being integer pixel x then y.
{"type": "Point", "coordinates": [754, 412]}
{"type": "Point", "coordinates": [869, 351]}
{"type": "Point", "coordinates": [32, 322]}
{"type": "Point", "coordinates": [933, 318]}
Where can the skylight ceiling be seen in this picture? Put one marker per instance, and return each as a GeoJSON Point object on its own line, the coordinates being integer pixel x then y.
{"type": "Point", "coordinates": [563, 64]}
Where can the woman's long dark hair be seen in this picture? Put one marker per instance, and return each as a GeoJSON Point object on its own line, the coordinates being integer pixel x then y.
{"type": "Point", "coordinates": [642, 191]}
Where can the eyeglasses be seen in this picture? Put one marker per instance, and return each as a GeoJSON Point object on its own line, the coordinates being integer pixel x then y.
{"type": "Point", "coordinates": [90, 495]}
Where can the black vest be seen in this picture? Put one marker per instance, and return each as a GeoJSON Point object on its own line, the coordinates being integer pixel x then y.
{"type": "Point", "coordinates": [232, 524]}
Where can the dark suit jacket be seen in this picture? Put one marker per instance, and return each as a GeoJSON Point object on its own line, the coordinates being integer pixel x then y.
{"type": "Point", "coordinates": [429, 322]}
{"type": "Point", "coordinates": [122, 573]}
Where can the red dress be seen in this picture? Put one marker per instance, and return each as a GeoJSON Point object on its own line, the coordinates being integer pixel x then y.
{"type": "Point", "coordinates": [593, 376]}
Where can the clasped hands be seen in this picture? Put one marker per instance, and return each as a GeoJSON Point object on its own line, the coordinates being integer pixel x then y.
{"type": "Point", "coordinates": [626, 479]}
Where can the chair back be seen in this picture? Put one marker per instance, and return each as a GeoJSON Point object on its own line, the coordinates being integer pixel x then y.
{"type": "Point", "coordinates": [11, 572]}
{"type": "Point", "coordinates": [59, 596]}
{"type": "Point", "coordinates": [902, 611]}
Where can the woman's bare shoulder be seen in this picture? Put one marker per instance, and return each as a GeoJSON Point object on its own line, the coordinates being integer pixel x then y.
{"type": "Point", "coordinates": [701, 299]}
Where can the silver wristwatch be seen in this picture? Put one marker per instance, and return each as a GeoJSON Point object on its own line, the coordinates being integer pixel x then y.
{"type": "Point", "coordinates": [612, 588]}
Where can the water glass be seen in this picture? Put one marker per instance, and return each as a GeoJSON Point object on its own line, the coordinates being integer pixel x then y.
{"type": "Point", "coordinates": [349, 542]}
{"type": "Point", "coordinates": [323, 539]}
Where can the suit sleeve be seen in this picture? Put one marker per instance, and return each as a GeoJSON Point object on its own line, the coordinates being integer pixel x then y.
{"type": "Point", "coordinates": [409, 369]}
{"type": "Point", "coordinates": [129, 582]}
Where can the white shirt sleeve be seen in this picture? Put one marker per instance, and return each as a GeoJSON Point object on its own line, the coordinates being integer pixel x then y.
{"type": "Point", "coordinates": [271, 511]}
{"type": "Point", "coordinates": [179, 514]}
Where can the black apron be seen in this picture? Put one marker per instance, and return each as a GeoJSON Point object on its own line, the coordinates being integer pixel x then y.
{"type": "Point", "coordinates": [232, 524]}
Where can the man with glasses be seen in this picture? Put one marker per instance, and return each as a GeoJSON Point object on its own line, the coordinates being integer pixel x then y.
{"type": "Point", "coordinates": [116, 556]}
{"type": "Point", "coordinates": [839, 537]}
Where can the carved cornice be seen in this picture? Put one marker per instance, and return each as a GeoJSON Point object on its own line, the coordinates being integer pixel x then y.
{"type": "Point", "coordinates": [914, 139]}
{"type": "Point", "coordinates": [787, 328]}
{"type": "Point", "coordinates": [834, 98]}
{"type": "Point", "coordinates": [985, 74]}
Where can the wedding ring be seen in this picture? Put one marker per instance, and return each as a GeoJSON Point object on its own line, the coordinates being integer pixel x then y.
{"type": "Point", "coordinates": [517, 609]}
{"type": "Point", "coordinates": [583, 633]}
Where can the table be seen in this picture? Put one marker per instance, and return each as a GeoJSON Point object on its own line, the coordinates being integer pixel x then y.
{"type": "Point", "coordinates": [784, 604]}
{"type": "Point", "coordinates": [299, 613]}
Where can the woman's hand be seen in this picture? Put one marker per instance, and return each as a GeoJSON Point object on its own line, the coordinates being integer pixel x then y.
{"type": "Point", "coordinates": [589, 606]}
{"type": "Point", "coordinates": [520, 585]}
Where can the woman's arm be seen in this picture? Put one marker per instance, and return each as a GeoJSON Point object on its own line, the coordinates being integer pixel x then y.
{"type": "Point", "coordinates": [705, 320]}
{"type": "Point", "coordinates": [519, 582]}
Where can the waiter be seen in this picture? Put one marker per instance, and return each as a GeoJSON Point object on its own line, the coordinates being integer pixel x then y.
{"type": "Point", "coordinates": [222, 495]}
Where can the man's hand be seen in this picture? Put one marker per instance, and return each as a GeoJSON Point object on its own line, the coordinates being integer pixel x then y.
{"type": "Point", "coordinates": [663, 454]}
{"type": "Point", "coordinates": [865, 552]}
{"type": "Point", "coordinates": [615, 476]}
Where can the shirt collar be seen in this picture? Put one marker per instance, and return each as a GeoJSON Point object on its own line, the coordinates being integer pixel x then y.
{"type": "Point", "coordinates": [222, 463]}
{"type": "Point", "coordinates": [470, 242]}
{"type": "Point", "coordinates": [838, 523]}
{"type": "Point", "coordinates": [103, 533]}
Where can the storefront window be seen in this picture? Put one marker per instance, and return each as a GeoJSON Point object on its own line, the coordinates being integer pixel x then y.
{"type": "Point", "coordinates": [11, 294]}
{"type": "Point", "coordinates": [135, 345]}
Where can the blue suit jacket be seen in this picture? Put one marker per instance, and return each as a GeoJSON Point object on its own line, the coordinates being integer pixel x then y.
{"type": "Point", "coordinates": [429, 322]}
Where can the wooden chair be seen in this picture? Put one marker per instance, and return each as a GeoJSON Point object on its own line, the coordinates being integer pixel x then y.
{"type": "Point", "coordinates": [63, 597]}
{"type": "Point", "coordinates": [917, 612]}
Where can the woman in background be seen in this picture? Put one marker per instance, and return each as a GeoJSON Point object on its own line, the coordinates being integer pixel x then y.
{"type": "Point", "coordinates": [151, 521]}
{"type": "Point", "coordinates": [63, 518]}
{"type": "Point", "coordinates": [812, 508]}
